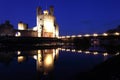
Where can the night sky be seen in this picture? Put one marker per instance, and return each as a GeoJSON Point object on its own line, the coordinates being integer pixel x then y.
{"type": "Point", "coordinates": [73, 16]}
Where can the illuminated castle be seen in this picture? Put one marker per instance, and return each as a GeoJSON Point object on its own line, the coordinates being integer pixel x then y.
{"type": "Point", "coordinates": [46, 25]}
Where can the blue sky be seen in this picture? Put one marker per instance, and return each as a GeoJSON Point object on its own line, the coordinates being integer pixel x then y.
{"type": "Point", "coordinates": [73, 16]}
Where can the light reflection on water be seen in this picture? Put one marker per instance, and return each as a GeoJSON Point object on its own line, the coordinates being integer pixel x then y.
{"type": "Point", "coordinates": [44, 59]}
{"type": "Point", "coordinates": [47, 64]}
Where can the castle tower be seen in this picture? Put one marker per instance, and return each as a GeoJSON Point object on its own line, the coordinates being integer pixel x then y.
{"type": "Point", "coordinates": [39, 22]}
{"type": "Point", "coordinates": [46, 25]}
{"type": "Point", "coordinates": [22, 26]}
{"type": "Point", "coordinates": [51, 10]}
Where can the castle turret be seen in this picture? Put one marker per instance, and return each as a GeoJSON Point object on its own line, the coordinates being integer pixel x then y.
{"type": "Point", "coordinates": [51, 10]}
{"type": "Point", "coordinates": [39, 10]}
{"type": "Point", "coordinates": [46, 23]}
{"type": "Point", "coordinates": [22, 26]}
{"type": "Point", "coordinates": [39, 21]}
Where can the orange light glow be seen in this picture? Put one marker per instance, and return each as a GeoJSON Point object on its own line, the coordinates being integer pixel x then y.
{"type": "Point", "coordinates": [21, 59]}
{"type": "Point", "coordinates": [48, 60]}
{"type": "Point", "coordinates": [105, 34]}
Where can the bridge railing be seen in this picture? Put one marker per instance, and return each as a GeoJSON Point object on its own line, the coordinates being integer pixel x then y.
{"type": "Point", "coordinates": [92, 35]}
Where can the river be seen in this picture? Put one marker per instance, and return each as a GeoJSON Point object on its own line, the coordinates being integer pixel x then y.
{"type": "Point", "coordinates": [48, 64]}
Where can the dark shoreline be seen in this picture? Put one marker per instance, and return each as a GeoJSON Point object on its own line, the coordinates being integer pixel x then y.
{"type": "Point", "coordinates": [108, 70]}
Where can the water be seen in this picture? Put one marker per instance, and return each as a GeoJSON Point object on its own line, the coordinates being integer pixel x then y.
{"type": "Point", "coordinates": [47, 64]}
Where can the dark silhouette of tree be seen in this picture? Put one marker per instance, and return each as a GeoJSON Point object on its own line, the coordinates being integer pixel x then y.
{"type": "Point", "coordinates": [117, 29]}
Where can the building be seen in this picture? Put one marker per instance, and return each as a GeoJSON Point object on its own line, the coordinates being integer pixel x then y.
{"type": "Point", "coordinates": [24, 31]}
{"type": "Point", "coordinates": [6, 29]}
{"type": "Point", "coordinates": [46, 26]}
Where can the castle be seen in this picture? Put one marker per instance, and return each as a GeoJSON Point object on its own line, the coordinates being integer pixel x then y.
{"type": "Point", "coordinates": [46, 26]}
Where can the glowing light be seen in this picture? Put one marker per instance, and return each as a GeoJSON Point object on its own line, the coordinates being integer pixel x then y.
{"type": "Point", "coordinates": [22, 26]}
{"type": "Point", "coordinates": [19, 52]}
{"type": "Point", "coordinates": [67, 36]}
{"type": "Point", "coordinates": [38, 59]}
{"type": "Point", "coordinates": [95, 35]}
{"type": "Point", "coordinates": [59, 48]}
{"type": "Point", "coordinates": [105, 34]}
{"type": "Point", "coordinates": [63, 37]}
{"type": "Point", "coordinates": [117, 34]}
{"type": "Point", "coordinates": [80, 51]}
{"type": "Point", "coordinates": [59, 37]}
{"type": "Point", "coordinates": [49, 24]}
{"type": "Point", "coordinates": [49, 27]}
{"type": "Point", "coordinates": [105, 54]}
{"type": "Point", "coordinates": [57, 32]}
{"type": "Point", "coordinates": [21, 58]}
{"type": "Point", "coordinates": [117, 53]}
{"type": "Point", "coordinates": [87, 35]}
{"type": "Point", "coordinates": [45, 12]}
{"type": "Point", "coordinates": [35, 28]}
{"type": "Point", "coordinates": [48, 60]}
{"type": "Point", "coordinates": [87, 52]}
{"type": "Point", "coordinates": [73, 36]}
{"type": "Point", "coordinates": [95, 53]}
{"type": "Point", "coordinates": [63, 49]}
{"type": "Point", "coordinates": [54, 53]}
{"type": "Point", "coordinates": [79, 36]}
{"type": "Point", "coordinates": [73, 50]}
{"type": "Point", "coordinates": [35, 57]}
{"type": "Point", "coordinates": [67, 49]}
{"type": "Point", "coordinates": [18, 34]}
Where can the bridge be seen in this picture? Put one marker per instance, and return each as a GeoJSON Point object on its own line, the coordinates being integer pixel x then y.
{"type": "Point", "coordinates": [92, 35]}
{"type": "Point", "coordinates": [104, 38]}
{"type": "Point", "coordinates": [86, 39]}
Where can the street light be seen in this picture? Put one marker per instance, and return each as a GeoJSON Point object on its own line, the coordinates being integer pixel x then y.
{"type": "Point", "coordinates": [105, 34]}
{"type": "Point", "coordinates": [95, 35]}
{"type": "Point", "coordinates": [116, 33]}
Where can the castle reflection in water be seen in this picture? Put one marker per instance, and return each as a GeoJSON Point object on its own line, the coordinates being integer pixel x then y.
{"type": "Point", "coordinates": [42, 63]}
{"type": "Point", "coordinates": [44, 59]}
